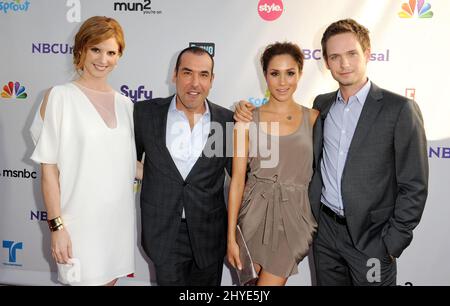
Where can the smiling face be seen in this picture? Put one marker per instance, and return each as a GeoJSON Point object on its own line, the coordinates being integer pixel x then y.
{"type": "Point", "coordinates": [100, 59]}
{"type": "Point", "coordinates": [347, 61]}
{"type": "Point", "coordinates": [193, 80]}
{"type": "Point", "coordinates": [282, 77]}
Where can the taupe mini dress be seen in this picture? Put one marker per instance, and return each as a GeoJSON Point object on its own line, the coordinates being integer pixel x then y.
{"type": "Point", "coordinates": [275, 215]}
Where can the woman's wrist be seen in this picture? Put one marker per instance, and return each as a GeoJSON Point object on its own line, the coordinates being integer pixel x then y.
{"type": "Point", "coordinates": [55, 224]}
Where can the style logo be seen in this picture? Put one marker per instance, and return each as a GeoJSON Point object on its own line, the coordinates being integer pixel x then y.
{"type": "Point", "coordinates": [410, 93]}
{"type": "Point", "coordinates": [143, 6]}
{"type": "Point", "coordinates": [14, 90]}
{"type": "Point", "coordinates": [207, 46]}
{"type": "Point", "coordinates": [137, 94]}
{"type": "Point", "coordinates": [270, 10]}
{"type": "Point", "coordinates": [409, 9]}
{"type": "Point", "coordinates": [16, 6]}
{"type": "Point", "coordinates": [12, 248]}
{"type": "Point", "coordinates": [53, 48]}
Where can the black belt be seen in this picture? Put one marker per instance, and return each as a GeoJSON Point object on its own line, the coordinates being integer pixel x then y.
{"type": "Point", "coordinates": [333, 215]}
{"type": "Point", "coordinates": [183, 220]}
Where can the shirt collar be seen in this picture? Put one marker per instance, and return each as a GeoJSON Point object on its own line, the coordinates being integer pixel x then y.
{"type": "Point", "coordinates": [173, 107]}
{"type": "Point", "coordinates": [361, 95]}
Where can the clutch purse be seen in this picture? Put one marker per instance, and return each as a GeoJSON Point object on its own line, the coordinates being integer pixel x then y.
{"type": "Point", "coordinates": [247, 276]}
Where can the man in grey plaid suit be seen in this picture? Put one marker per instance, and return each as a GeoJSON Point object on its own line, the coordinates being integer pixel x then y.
{"type": "Point", "coordinates": [183, 211]}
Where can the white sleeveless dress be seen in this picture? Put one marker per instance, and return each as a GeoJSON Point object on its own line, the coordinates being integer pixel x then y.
{"type": "Point", "coordinates": [97, 169]}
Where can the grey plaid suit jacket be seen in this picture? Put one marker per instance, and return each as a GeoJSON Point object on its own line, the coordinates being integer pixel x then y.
{"type": "Point", "coordinates": [164, 193]}
{"type": "Point", "coordinates": [384, 184]}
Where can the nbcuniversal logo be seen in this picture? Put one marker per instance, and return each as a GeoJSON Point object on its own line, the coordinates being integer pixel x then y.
{"type": "Point", "coordinates": [13, 90]}
{"type": "Point", "coordinates": [409, 9]}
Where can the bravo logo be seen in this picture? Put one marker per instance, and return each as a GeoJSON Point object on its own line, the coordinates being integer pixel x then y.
{"type": "Point", "coordinates": [270, 10]}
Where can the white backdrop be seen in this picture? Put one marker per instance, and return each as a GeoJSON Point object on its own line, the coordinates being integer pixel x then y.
{"type": "Point", "coordinates": [410, 57]}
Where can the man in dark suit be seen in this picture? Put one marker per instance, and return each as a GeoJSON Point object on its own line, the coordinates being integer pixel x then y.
{"type": "Point", "coordinates": [370, 181]}
{"type": "Point", "coordinates": [184, 137]}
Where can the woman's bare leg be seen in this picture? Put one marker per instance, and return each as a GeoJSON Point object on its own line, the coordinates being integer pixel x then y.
{"type": "Point", "coordinates": [268, 279]}
{"type": "Point", "coordinates": [112, 283]}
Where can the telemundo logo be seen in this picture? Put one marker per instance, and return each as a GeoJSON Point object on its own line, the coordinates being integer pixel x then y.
{"type": "Point", "coordinates": [12, 247]}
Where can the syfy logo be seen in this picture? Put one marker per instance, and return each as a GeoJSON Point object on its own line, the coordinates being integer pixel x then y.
{"type": "Point", "coordinates": [53, 48]}
{"type": "Point", "coordinates": [12, 252]}
{"type": "Point", "coordinates": [138, 94]}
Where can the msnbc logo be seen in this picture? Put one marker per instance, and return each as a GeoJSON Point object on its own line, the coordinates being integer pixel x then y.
{"type": "Point", "coordinates": [13, 89]}
{"type": "Point", "coordinates": [423, 10]}
{"type": "Point", "coordinates": [15, 6]}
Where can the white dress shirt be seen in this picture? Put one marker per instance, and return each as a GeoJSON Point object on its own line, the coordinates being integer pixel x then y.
{"type": "Point", "coordinates": [186, 145]}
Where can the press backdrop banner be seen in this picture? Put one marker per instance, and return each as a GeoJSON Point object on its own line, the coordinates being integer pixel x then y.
{"type": "Point", "coordinates": [409, 56]}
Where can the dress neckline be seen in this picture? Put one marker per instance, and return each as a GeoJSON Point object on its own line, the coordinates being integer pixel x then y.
{"type": "Point", "coordinates": [95, 110]}
{"type": "Point", "coordinates": [290, 134]}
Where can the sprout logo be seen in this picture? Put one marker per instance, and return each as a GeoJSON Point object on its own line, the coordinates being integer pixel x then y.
{"type": "Point", "coordinates": [15, 6]}
{"type": "Point", "coordinates": [260, 101]}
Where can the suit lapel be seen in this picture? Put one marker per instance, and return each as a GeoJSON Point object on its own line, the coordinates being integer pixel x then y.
{"type": "Point", "coordinates": [159, 126]}
{"type": "Point", "coordinates": [369, 113]}
{"type": "Point", "coordinates": [323, 108]}
{"type": "Point", "coordinates": [214, 116]}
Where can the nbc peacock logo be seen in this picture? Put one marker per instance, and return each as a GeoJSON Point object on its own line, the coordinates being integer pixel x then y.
{"type": "Point", "coordinates": [409, 9]}
{"type": "Point", "coordinates": [14, 90]}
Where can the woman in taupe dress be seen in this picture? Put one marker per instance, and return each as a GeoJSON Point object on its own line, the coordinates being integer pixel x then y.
{"type": "Point", "coordinates": [272, 206]}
